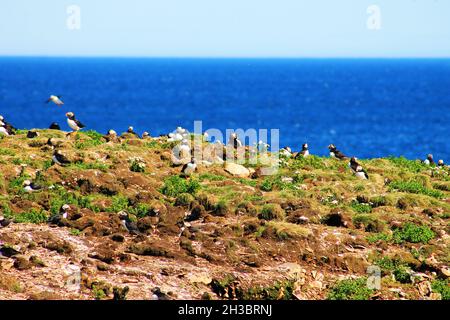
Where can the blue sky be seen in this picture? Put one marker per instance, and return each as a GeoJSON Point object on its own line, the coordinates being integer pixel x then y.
{"type": "Point", "coordinates": [226, 28]}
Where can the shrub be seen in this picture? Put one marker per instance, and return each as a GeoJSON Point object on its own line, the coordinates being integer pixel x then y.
{"type": "Point", "coordinates": [137, 164]}
{"type": "Point", "coordinates": [413, 166]}
{"type": "Point", "coordinates": [442, 287]}
{"type": "Point", "coordinates": [411, 232]}
{"type": "Point", "coordinates": [361, 207]}
{"type": "Point", "coordinates": [414, 187]}
{"type": "Point", "coordinates": [119, 203]}
{"type": "Point", "coordinates": [371, 224]}
{"type": "Point", "coordinates": [379, 236]}
{"type": "Point", "coordinates": [271, 212]}
{"type": "Point", "coordinates": [401, 274]}
{"type": "Point", "coordinates": [140, 210]}
{"type": "Point", "coordinates": [32, 216]}
{"type": "Point", "coordinates": [176, 185]}
{"type": "Point", "coordinates": [350, 290]}
{"type": "Point", "coordinates": [184, 199]}
{"type": "Point", "coordinates": [221, 208]}
{"type": "Point", "coordinates": [266, 185]}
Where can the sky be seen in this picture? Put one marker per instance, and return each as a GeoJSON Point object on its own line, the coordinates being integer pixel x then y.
{"type": "Point", "coordinates": [225, 28]}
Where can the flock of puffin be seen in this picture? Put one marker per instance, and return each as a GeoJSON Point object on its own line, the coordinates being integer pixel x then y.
{"type": "Point", "coordinates": [179, 135]}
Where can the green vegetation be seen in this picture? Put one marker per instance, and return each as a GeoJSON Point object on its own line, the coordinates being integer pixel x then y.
{"type": "Point", "coordinates": [370, 223]}
{"type": "Point", "coordinates": [414, 187]}
{"type": "Point", "coordinates": [32, 216]}
{"type": "Point", "coordinates": [175, 185]}
{"type": "Point", "coordinates": [271, 212]}
{"type": "Point", "coordinates": [413, 166]}
{"type": "Point", "coordinates": [94, 139]}
{"type": "Point", "coordinates": [442, 287]}
{"type": "Point", "coordinates": [361, 207]}
{"type": "Point", "coordinates": [350, 290]}
{"type": "Point", "coordinates": [411, 232]}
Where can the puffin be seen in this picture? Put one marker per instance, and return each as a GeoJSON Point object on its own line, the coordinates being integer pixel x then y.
{"type": "Point", "coordinates": [4, 222]}
{"type": "Point", "coordinates": [131, 131]}
{"type": "Point", "coordinates": [286, 151]}
{"type": "Point", "coordinates": [9, 128]}
{"type": "Point", "coordinates": [335, 153]}
{"type": "Point", "coordinates": [159, 295]}
{"type": "Point", "coordinates": [358, 169]}
{"type": "Point", "coordinates": [146, 135]}
{"type": "Point", "coordinates": [62, 214]}
{"type": "Point", "coordinates": [429, 160]}
{"type": "Point", "coordinates": [441, 163]}
{"type": "Point", "coordinates": [60, 159]}
{"type": "Point", "coordinates": [55, 99]}
{"type": "Point", "coordinates": [3, 131]}
{"type": "Point", "coordinates": [29, 186]}
{"type": "Point", "coordinates": [304, 152]}
{"type": "Point", "coordinates": [189, 167]}
{"type": "Point", "coordinates": [54, 126]}
{"type": "Point", "coordinates": [234, 141]}
{"type": "Point", "coordinates": [73, 123]}
{"type": "Point", "coordinates": [129, 225]}
{"type": "Point", "coordinates": [111, 136]}
{"type": "Point", "coordinates": [32, 134]}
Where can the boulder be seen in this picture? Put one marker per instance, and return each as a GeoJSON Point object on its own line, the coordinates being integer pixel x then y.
{"type": "Point", "coordinates": [237, 170]}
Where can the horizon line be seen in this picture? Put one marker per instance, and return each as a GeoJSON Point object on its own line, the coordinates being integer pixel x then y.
{"type": "Point", "coordinates": [234, 57]}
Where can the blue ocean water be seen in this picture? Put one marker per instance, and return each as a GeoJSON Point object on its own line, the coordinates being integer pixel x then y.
{"type": "Point", "coordinates": [368, 108]}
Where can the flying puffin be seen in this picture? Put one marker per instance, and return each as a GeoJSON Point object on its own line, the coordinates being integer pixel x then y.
{"type": "Point", "coordinates": [234, 141]}
{"type": "Point", "coordinates": [56, 100]}
{"type": "Point", "coordinates": [73, 123]}
{"type": "Point", "coordinates": [189, 167]}
{"type": "Point", "coordinates": [29, 186]}
{"type": "Point", "coordinates": [429, 160]}
{"type": "Point", "coordinates": [358, 169]}
{"type": "Point", "coordinates": [54, 126]}
{"type": "Point", "coordinates": [335, 153]}
{"type": "Point", "coordinates": [60, 159]}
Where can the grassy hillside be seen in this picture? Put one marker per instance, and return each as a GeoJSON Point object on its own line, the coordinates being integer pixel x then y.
{"type": "Point", "coordinates": [310, 231]}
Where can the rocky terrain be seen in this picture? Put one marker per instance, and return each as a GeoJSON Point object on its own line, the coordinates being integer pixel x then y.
{"type": "Point", "coordinates": [312, 230]}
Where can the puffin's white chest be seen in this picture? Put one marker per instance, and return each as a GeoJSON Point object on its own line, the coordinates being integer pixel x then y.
{"type": "Point", "coordinates": [55, 160]}
{"type": "Point", "coordinates": [306, 153]}
{"type": "Point", "coordinates": [427, 162]}
{"type": "Point", "coordinates": [332, 155]}
{"type": "Point", "coordinates": [28, 189]}
{"type": "Point", "coordinates": [73, 125]}
{"type": "Point", "coordinates": [3, 131]}
{"type": "Point", "coordinates": [190, 168]}
{"type": "Point", "coordinates": [361, 175]}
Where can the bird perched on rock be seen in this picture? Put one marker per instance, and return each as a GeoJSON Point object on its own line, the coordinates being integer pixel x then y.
{"type": "Point", "coordinates": [73, 123]}
{"type": "Point", "coordinates": [62, 214]}
{"type": "Point", "coordinates": [55, 99]}
{"type": "Point", "coordinates": [129, 225]}
{"type": "Point", "coordinates": [429, 160]}
{"type": "Point", "coordinates": [190, 167]}
{"type": "Point", "coordinates": [4, 222]}
{"type": "Point", "coordinates": [146, 135]}
{"type": "Point", "coordinates": [29, 186]}
{"type": "Point", "coordinates": [441, 163]}
{"type": "Point", "coordinates": [111, 136]}
{"type": "Point", "coordinates": [60, 159]}
{"type": "Point", "coordinates": [335, 153]}
{"type": "Point", "coordinates": [304, 152]}
{"type": "Point", "coordinates": [7, 127]}
{"type": "Point", "coordinates": [131, 131]}
{"type": "Point", "coordinates": [54, 126]}
{"type": "Point", "coordinates": [8, 251]}
{"type": "Point", "coordinates": [358, 169]}
{"type": "Point", "coordinates": [234, 141]}
{"type": "Point", "coordinates": [32, 134]}
{"type": "Point", "coordinates": [159, 295]}
{"type": "Point", "coordinates": [3, 131]}
{"type": "Point", "coordinates": [286, 151]}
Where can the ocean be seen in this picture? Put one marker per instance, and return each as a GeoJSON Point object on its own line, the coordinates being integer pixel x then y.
{"type": "Point", "coordinates": [366, 107]}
